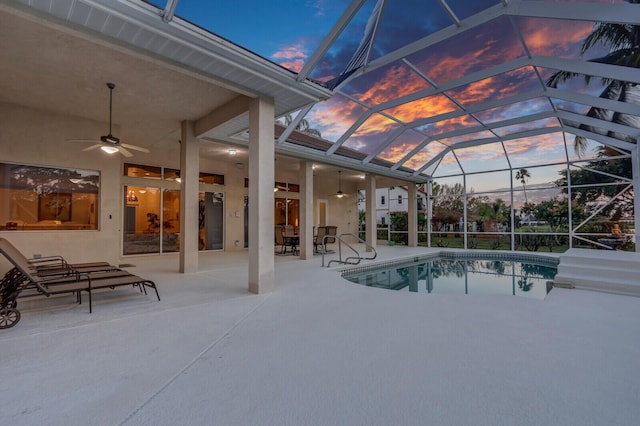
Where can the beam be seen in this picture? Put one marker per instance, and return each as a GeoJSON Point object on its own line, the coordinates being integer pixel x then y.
{"type": "Point", "coordinates": [328, 41]}
{"type": "Point", "coordinates": [622, 13]}
{"type": "Point", "coordinates": [232, 109]}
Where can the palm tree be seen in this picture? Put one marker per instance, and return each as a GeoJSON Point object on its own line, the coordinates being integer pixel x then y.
{"type": "Point", "coordinates": [522, 175]}
{"type": "Point", "coordinates": [303, 126]}
{"type": "Point", "coordinates": [623, 41]}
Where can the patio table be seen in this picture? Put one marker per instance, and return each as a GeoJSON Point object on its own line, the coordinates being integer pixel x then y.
{"type": "Point", "coordinates": [291, 240]}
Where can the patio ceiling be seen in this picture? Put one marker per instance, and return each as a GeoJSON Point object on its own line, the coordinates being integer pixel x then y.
{"type": "Point", "coordinates": [471, 83]}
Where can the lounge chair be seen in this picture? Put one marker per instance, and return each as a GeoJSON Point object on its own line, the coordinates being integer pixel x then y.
{"type": "Point", "coordinates": [57, 265]}
{"type": "Point", "coordinates": [23, 276]}
{"type": "Point", "coordinates": [52, 266]}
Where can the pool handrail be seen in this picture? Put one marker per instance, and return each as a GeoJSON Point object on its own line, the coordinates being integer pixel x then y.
{"type": "Point", "coordinates": [349, 260]}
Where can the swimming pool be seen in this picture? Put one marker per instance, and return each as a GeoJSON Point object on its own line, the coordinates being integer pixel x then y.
{"type": "Point", "coordinates": [458, 273]}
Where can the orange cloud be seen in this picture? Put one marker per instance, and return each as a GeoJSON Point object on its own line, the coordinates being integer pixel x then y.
{"type": "Point", "coordinates": [291, 57]}
{"type": "Point", "coordinates": [375, 125]}
{"type": "Point", "coordinates": [334, 116]}
{"type": "Point", "coordinates": [403, 144]}
{"type": "Point", "coordinates": [488, 45]}
{"type": "Point", "coordinates": [451, 124]}
{"type": "Point", "coordinates": [422, 108]}
{"type": "Point", "coordinates": [426, 154]}
{"type": "Point", "coordinates": [554, 37]}
{"type": "Point", "coordinates": [497, 87]}
{"type": "Point", "coordinates": [397, 81]}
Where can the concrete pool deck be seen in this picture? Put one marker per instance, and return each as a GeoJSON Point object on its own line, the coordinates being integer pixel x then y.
{"type": "Point", "coordinates": [319, 350]}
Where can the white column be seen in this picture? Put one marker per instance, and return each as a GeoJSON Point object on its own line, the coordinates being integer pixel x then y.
{"type": "Point", "coordinates": [412, 211]}
{"type": "Point", "coordinates": [306, 210]}
{"type": "Point", "coordinates": [189, 173]}
{"type": "Point", "coordinates": [370, 184]}
{"type": "Point", "coordinates": [465, 211]}
{"type": "Point", "coordinates": [635, 172]}
{"type": "Point", "coordinates": [261, 179]}
{"type": "Point", "coordinates": [429, 210]}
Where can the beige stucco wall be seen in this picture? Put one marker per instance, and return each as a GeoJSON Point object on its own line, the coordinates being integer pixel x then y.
{"type": "Point", "coordinates": [37, 137]}
{"type": "Point", "coordinates": [341, 212]}
{"type": "Point", "coordinates": [40, 138]}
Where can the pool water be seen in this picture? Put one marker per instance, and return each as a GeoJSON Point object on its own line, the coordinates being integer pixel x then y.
{"type": "Point", "coordinates": [462, 276]}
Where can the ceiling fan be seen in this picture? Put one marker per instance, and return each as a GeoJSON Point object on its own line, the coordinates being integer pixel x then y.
{"type": "Point", "coordinates": [340, 194]}
{"type": "Point", "coordinates": [109, 143]}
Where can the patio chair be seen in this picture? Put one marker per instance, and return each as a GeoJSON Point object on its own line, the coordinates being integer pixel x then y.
{"type": "Point", "coordinates": [326, 235]}
{"type": "Point", "coordinates": [330, 238]}
{"type": "Point", "coordinates": [278, 234]}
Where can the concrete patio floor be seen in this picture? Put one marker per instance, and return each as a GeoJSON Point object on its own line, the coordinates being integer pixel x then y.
{"type": "Point", "coordinates": [319, 351]}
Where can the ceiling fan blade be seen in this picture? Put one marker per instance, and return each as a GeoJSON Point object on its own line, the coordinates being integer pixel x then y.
{"type": "Point", "coordinates": [124, 152]}
{"type": "Point", "coordinates": [89, 148]}
{"type": "Point", "coordinates": [83, 140]}
{"type": "Point", "coordinates": [135, 147]}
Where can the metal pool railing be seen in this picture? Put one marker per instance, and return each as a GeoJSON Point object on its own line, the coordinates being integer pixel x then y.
{"type": "Point", "coordinates": [350, 260]}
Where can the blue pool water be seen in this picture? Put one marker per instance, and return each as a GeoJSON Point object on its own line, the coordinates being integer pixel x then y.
{"type": "Point", "coordinates": [460, 275]}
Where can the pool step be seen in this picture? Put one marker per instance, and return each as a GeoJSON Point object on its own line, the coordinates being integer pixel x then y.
{"type": "Point", "coordinates": [611, 271]}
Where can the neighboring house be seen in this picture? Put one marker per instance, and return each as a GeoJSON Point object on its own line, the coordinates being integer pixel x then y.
{"type": "Point", "coordinates": [393, 199]}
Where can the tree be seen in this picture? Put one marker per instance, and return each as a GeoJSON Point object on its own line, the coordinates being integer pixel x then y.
{"type": "Point", "coordinates": [522, 175]}
{"type": "Point", "coordinates": [447, 205]}
{"type": "Point", "coordinates": [623, 40]}
{"type": "Point", "coordinates": [585, 188]}
{"type": "Point", "coordinates": [303, 126]}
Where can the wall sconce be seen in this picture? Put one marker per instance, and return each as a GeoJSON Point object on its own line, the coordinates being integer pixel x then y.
{"type": "Point", "coordinates": [232, 151]}
{"type": "Point", "coordinates": [131, 197]}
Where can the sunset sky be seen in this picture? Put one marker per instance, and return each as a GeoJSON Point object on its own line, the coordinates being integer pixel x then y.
{"type": "Point", "coordinates": [288, 32]}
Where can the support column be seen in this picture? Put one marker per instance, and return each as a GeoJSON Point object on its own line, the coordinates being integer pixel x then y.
{"type": "Point", "coordinates": [189, 173]}
{"type": "Point", "coordinates": [261, 178]}
{"type": "Point", "coordinates": [371, 236]}
{"type": "Point", "coordinates": [635, 173]}
{"type": "Point", "coordinates": [412, 211]}
{"type": "Point", "coordinates": [306, 210]}
{"type": "Point", "coordinates": [429, 210]}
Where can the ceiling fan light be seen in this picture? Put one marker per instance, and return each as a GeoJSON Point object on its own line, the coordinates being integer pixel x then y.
{"type": "Point", "coordinates": [109, 149]}
{"type": "Point", "coordinates": [340, 194]}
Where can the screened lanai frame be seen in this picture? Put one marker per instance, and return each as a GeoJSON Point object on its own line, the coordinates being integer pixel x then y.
{"type": "Point", "coordinates": [473, 77]}
{"type": "Point", "coordinates": [455, 93]}
{"type": "Point", "coordinates": [466, 99]}
{"type": "Point", "coordinates": [450, 110]}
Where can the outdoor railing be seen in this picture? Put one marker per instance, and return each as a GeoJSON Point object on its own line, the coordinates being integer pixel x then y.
{"type": "Point", "coordinates": [350, 260]}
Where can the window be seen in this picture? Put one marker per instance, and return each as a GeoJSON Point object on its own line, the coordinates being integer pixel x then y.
{"type": "Point", "coordinates": [142, 220]}
{"type": "Point", "coordinates": [45, 198]}
{"type": "Point", "coordinates": [211, 178]}
{"type": "Point", "coordinates": [155, 172]}
{"type": "Point", "coordinates": [279, 186]}
{"type": "Point", "coordinates": [383, 200]}
{"type": "Point", "coordinates": [139, 170]}
{"type": "Point", "coordinates": [287, 211]}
